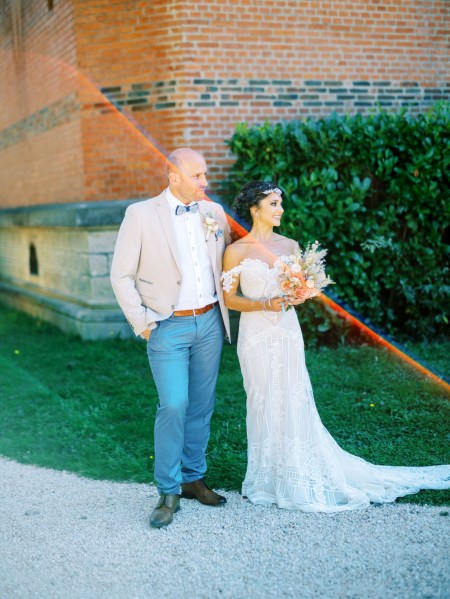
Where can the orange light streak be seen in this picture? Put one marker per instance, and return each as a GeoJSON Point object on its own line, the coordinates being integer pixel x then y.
{"type": "Point", "coordinates": [383, 342]}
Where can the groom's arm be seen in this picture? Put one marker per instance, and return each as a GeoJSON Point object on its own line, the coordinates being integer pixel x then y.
{"type": "Point", "coordinates": [123, 273]}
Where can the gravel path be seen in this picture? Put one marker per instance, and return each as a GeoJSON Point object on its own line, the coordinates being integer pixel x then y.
{"type": "Point", "coordinates": [66, 537]}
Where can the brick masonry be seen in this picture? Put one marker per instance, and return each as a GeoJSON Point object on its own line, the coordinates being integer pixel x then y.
{"type": "Point", "coordinates": [51, 116]}
{"type": "Point", "coordinates": [306, 96]}
{"type": "Point", "coordinates": [186, 73]}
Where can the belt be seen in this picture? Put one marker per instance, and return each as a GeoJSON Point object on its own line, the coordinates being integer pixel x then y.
{"type": "Point", "coordinates": [194, 312]}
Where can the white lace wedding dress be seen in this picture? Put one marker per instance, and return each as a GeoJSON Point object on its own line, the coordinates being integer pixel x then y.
{"type": "Point", "coordinates": [292, 459]}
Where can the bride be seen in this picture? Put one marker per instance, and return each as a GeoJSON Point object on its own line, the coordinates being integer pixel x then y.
{"type": "Point", "coordinates": [293, 461]}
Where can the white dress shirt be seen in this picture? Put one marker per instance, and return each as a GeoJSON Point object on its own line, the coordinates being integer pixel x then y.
{"type": "Point", "coordinates": [197, 279]}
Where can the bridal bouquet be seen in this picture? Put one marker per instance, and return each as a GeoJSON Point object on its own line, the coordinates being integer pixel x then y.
{"type": "Point", "coordinates": [302, 275]}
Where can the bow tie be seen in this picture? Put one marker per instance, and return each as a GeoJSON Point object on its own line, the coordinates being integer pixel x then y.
{"type": "Point", "coordinates": [183, 209]}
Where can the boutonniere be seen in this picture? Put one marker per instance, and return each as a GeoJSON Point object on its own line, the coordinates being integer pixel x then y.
{"type": "Point", "coordinates": [211, 226]}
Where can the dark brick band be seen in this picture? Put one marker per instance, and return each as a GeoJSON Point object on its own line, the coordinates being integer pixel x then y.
{"type": "Point", "coordinates": [55, 114]}
{"type": "Point", "coordinates": [308, 97]}
{"type": "Point", "coordinates": [336, 95]}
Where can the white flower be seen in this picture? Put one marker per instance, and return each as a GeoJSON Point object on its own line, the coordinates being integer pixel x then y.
{"type": "Point", "coordinates": [211, 225]}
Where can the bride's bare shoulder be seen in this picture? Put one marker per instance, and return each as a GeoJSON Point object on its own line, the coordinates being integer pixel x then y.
{"type": "Point", "coordinates": [233, 255]}
{"type": "Point", "coordinates": [240, 246]}
{"type": "Point", "coordinates": [238, 251]}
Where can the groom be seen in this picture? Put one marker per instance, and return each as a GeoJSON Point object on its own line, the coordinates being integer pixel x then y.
{"type": "Point", "coordinates": [166, 277]}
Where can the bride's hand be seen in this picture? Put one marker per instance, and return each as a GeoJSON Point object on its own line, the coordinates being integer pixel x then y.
{"type": "Point", "coordinates": [275, 304]}
{"type": "Point", "coordinates": [297, 302]}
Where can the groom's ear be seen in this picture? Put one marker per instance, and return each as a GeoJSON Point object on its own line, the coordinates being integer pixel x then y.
{"type": "Point", "coordinates": [173, 177]}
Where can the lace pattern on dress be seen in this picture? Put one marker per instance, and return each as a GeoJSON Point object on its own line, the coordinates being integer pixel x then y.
{"type": "Point", "coordinates": [293, 461]}
{"type": "Point", "coordinates": [228, 278]}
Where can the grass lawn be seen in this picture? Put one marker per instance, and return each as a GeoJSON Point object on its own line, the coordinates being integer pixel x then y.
{"type": "Point", "coordinates": [89, 406]}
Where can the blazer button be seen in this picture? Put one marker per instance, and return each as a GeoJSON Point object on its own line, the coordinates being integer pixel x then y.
{"type": "Point", "coordinates": [173, 307]}
{"type": "Point", "coordinates": [178, 282]}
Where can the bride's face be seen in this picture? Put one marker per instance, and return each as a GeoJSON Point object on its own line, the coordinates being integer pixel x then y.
{"type": "Point", "coordinates": [269, 211]}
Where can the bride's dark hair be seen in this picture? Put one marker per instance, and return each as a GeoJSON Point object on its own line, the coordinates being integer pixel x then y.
{"type": "Point", "coordinates": [250, 195]}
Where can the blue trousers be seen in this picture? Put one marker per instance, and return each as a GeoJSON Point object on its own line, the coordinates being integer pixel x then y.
{"type": "Point", "coordinates": [184, 355]}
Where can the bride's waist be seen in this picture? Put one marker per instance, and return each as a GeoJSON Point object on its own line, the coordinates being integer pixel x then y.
{"type": "Point", "coordinates": [268, 315]}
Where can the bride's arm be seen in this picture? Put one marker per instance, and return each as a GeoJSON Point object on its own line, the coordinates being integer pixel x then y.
{"type": "Point", "coordinates": [230, 280]}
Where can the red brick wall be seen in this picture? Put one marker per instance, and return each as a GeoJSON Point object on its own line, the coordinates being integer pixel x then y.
{"type": "Point", "coordinates": [40, 137]}
{"type": "Point", "coordinates": [124, 48]}
{"type": "Point", "coordinates": [186, 72]}
{"type": "Point", "coordinates": [285, 59]}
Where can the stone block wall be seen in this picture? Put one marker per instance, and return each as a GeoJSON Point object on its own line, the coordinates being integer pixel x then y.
{"type": "Point", "coordinates": [55, 263]}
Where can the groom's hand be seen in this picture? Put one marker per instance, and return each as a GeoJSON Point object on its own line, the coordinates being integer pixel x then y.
{"type": "Point", "coordinates": [146, 334]}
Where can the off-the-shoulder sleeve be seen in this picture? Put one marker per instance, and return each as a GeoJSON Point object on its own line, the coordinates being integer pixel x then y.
{"type": "Point", "coordinates": [229, 277]}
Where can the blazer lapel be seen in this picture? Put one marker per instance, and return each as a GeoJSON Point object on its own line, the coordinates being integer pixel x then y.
{"type": "Point", "coordinates": [211, 242]}
{"type": "Point", "coordinates": [163, 211]}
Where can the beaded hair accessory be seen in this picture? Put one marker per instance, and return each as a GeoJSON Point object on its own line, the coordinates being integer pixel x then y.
{"type": "Point", "coordinates": [276, 190]}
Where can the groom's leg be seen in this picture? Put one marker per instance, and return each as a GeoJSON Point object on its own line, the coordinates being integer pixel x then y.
{"type": "Point", "coordinates": [203, 369]}
{"type": "Point", "coordinates": [168, 353]}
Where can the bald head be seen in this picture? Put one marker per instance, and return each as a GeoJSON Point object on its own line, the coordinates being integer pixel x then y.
{"type": "Point", "coordinates": [186, 171]}
{"type": "Point", "coordinates": [179, 157]}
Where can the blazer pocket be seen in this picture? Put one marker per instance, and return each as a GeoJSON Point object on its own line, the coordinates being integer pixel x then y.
{"type": "Point", "coordinates": [145, 289]}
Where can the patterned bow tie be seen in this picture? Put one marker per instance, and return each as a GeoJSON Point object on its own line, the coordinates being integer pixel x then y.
{"type": "Point", "coordinates": [183, 209]}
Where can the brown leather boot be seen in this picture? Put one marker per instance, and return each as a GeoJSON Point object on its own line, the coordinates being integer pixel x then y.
{"type": "Point", "coordinates": [198, 490]}
{"type": "Point", "coordinates": [163, 513]}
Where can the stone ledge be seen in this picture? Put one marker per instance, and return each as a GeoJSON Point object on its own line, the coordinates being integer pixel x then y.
{"type": "Point", "coordinates": [82, 214]}
{"type": "Point", "coordinates": [89, 322]}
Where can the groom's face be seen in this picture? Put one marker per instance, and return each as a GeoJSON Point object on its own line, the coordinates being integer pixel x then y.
{"type": "Point", "coordinates": [189, 183]}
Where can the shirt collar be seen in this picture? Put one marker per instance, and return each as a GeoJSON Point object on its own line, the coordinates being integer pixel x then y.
{"type": "Point", "coordinates": [174, 202]}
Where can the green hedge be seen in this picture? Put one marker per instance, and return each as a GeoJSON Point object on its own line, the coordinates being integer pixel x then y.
{"type": "Point", "coordinates": [375, 191]}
